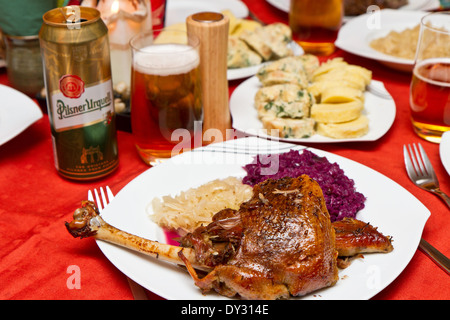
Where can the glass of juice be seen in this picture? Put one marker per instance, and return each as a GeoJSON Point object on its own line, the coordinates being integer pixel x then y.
{"type": "Point", "coordinates": [166, 100]}
{"type": "Point", "coordinates": [430, 84]}
{"type": "Point", "coordinates": [315, 24]}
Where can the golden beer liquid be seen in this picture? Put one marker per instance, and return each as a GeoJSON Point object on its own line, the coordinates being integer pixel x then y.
{"type": "Point", "coordinates": [315, 24]}
{"type": "Point", "coordinates": [430, 98]}
{"type": "Point", "coordinates": [164, 99]}
{"type": "Point", "coordinates": [77, 73]}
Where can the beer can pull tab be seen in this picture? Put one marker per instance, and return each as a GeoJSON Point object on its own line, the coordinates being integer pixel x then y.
{"type": "Point", "coordinates": [71, 15]}
{"type": "Point", "coordinates": [212, 30]}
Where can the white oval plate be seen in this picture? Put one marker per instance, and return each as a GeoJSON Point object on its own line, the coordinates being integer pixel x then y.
{"type": "Point", "coordinates": [379, 111]}
{"type": "Point", "coordinates": [17, 112]}
{"type": "Point", "coordinates": [389, 206]}
{"type": "Point", "coordinates": [355, 36]}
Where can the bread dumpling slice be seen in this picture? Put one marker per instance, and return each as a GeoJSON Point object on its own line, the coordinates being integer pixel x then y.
{"type": "Point", "coordinates": [316, 88]}
{"type": "Point", "coordinates": [329, 65]}
{"type": "Point", "coordinates": [341, 94]}
{"type": "Point", "coordinates": [344, 130]}
{"type": "Point", "coordinates": [254, 41]}
{"type": "Point", "coordinates": [336, 112]}
{"type": "Point", "coordinates": [289, 128]}
{"type": "Point", "coordinates": [283, 77]}
{"type": "Point", "coordinates": [276, 36]}
{"type": "Point", "coordinates": [239, 54]}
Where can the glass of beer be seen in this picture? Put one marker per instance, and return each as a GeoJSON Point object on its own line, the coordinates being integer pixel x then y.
{"type": "Point", "coordinates": [166, 102]}
{"type": "Point", "coordinates": [430, 84]}
{"type": "Point", "coordinates": [315, 24]}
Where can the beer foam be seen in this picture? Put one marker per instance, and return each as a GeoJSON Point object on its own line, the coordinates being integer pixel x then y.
{"type": "Point", "coordinates": [166, 59]}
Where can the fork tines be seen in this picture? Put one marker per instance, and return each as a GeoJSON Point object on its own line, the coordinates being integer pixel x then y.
{"type": "Point", "coordinates": [102, 201]}
{"type": "Point", "coordinates": [417, 160]}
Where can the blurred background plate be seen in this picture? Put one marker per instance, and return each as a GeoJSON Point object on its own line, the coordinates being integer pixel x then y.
{"type": "Point", "coordinates": [283, 5]}
{"type": "Point", "coordinates": [17, 112]}
{"type": "Point", "coordinates": [355, 36]}
{"type": "Point", "coordinates": [178, 10]}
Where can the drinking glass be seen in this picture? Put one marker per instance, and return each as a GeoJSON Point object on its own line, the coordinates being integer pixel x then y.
{"type": "Point", "coordinates": [430, 84]}
{"type": "Point", "coordinates": [24, 63]}
{"type": "Point", "coordinates": [166, 103]}
{"type": "Point", "coordinates": [315, 24]}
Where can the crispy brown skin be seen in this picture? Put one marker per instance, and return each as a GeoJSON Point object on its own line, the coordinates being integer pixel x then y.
{"type": "Point", "coordinates": [355, 236]}
{"type": "Point", "coordinates": [287, 245]}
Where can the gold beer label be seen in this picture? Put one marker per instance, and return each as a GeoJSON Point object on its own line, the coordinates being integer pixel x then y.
{"type": "Point", "coordinates": [76, 105]}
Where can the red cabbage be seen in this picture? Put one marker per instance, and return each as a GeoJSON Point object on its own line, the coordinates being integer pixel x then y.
{"type": "Point", "coordinates": [339, 191]}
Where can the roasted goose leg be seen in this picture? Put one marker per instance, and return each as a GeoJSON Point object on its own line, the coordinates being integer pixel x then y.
{"type": "Point", "coordinates": [88, 223]}
{"type": "Point", "coordinates": [353, 237]}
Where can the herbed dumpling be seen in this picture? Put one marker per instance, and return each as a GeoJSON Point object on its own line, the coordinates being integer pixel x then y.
{"type": "Point", "coordinates": [284, 101]}
{"type": "Point", "coordinates": [240, 55]}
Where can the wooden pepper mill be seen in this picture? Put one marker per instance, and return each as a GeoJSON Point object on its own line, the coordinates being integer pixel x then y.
{"type": "Point", "coordinates": [212, 30]}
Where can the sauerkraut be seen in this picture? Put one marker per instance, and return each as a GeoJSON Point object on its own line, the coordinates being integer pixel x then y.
{"type": "Point", "coordinates": [196, 206]}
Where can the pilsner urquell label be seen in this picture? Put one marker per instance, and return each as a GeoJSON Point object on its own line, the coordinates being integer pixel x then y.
{"type": "Point", "coordinates": [80, 98]}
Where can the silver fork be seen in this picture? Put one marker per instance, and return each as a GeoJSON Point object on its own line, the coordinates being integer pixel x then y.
{"type": "Point", "coordinates": [415, 173]}
{"type": "Point", "coordinates": [101, 201]}
{"type": "Point", "coordinates": [421, 172]}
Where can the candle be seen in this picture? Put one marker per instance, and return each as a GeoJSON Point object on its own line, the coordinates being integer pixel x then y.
{"type": "Point", "coordinates": [124, 19]}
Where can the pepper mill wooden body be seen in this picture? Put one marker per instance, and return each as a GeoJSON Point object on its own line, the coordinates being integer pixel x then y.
{"type": "Point", "coordinates": [212, 30]}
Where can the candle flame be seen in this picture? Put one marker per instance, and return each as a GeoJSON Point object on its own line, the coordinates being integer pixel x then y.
{"type": "Point", "coordinates": [115, 7]}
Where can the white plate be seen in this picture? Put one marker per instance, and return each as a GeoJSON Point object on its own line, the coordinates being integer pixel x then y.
{"type": "Point", "coordinates": [355, 36]}
{"type": "Point", "coordinates": [17, 112]}
{"type": "Point", "coordinates": [240, 73]}
{"type": "Point", "coordinates": [178, 10]}
{"type": "Point", "coordinates": [379, 111]}
{"type": "Point", "coordinates": [389, 207]}
{"type": "Point", "coordinates": [283, 5]}
{"type": "Point", "coordinates": [444, 150]}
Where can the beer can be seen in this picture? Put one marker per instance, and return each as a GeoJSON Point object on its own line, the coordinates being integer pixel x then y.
{"type": "Point", "coordinates": [80, 99]}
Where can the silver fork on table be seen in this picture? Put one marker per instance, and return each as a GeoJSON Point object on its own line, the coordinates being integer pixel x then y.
{"type": "Point", "coordinates": [101, 201]}
{"type": "Point", "coordinates": [421, 172]}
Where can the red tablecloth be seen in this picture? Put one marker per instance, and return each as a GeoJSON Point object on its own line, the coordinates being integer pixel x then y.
{"type": "Point", "coordinates": [36, 251]}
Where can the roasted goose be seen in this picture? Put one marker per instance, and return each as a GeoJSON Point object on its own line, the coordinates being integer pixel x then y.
{"type": "Point", "coordinates": [286, 247]}
{"type": "Point", "coordinates": [279, 243]}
